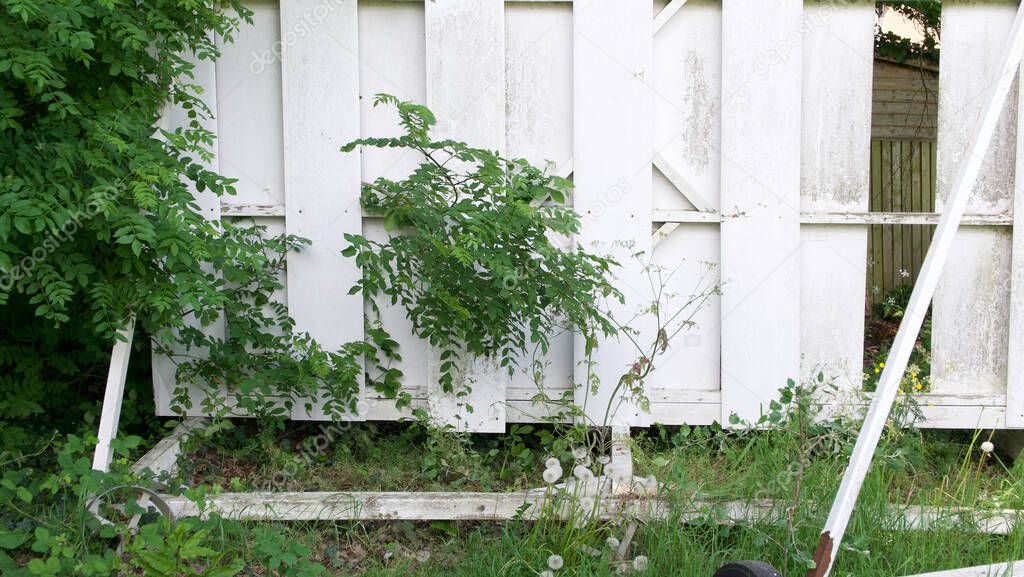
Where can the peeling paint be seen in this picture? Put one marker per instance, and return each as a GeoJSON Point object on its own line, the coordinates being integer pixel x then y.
{"type": "Point", "coordinates": [701, 110]}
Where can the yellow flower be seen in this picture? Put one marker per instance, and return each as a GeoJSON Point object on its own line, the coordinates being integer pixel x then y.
{"type": "Point", "coordinates": [918, 387]}
{"type": "Point", "coordinates": [881, 365]}
{"type": "Point", "coordinates": [901, 391]}
{"type": "Point", "coordinates": [876, 371]}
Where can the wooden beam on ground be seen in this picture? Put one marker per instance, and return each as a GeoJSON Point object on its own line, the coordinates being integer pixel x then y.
{"type": "Point", "coordinates": [163, 457]}
{"type": "Point", "coordinates": [994, 570]}
{"type": "Point", "coordinates": [434, 506]}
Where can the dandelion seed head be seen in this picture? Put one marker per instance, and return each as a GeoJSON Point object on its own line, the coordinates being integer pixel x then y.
{"type": "Point", "coordinates": [552, 475]}
{"type": "Point", "coordinates": [555, 562]}
{"type": "Point", "coordinates": [612, 542]}
{"type": "Point", "coordinates": [552, 463]}
{"type": "Point", "coordinates": [603, 459]}
{"type": "Point", "coordinates": [579, 452]}
{"type": "Point", "coordinates": [582, 473]}
{"type": "Point", "coordinates": [547, 573]}
{"type": "Point", "coordinates": [987, 447]}
{"type": "Point", "coordinates": [640, 563]}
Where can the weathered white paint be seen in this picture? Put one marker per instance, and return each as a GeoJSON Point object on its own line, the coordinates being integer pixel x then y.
{"type": "Point", "coordinates": [838, 57]}
{"type": "Point", "coordinates": [1015, 338]}
{"type": "Point", "coordinates": [760, 155]}
{"type": "Point", "coordinates": [612, 102]}
{"type": "Point", "coordinates": [164, 368]}
{"type": "Point", "coordinates": [548, 110]}
{"type": "Point", "coordinates": [320, 103]}
{"type": "Point", "coordinates": [163, 457]}
{"type": "Point", "coordinates": [970, 166]}
{"type": "Point", "coordinates": [994, 570]}
{"type": "Point", "coordinates": [466, 90]}
{"type": "Point", "coordinates": [113, 395]}
{"type": "Point", "coordinates": [971, 306]}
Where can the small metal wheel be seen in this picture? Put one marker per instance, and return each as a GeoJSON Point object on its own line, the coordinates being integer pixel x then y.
{"type": "Point", "coordinates": [111, 506]}
{"type": "Point", "coordinates": [747, 569]}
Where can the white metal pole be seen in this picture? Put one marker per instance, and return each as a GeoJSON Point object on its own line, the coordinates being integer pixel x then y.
{"type": "Point", "coordinates": [113, 396]}
{"type": "Point", "coordinates": [924, 289]}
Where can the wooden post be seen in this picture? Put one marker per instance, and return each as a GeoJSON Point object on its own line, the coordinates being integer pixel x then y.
{"type": "Point", "coordinates": [113, 396]}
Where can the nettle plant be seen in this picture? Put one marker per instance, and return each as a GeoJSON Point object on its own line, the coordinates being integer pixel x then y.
{"type": "Point", "coordinates": [471, 255]}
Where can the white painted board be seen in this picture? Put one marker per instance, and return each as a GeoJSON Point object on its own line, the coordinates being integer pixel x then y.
{"type": "Point", "coordinates": [838, 64]}
{"type": "Point", "coordinates": [466, 92]}
{"type": "Point", "coordinates": [760, 156]}
{"type": "Point", "coordinates": [320, 103]}
{"type": "Point", "coordinates": [971, 305]}
{"type": "Point", "coordinates": [612, 136]}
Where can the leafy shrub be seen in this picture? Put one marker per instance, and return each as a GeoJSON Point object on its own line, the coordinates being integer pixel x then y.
{"type": "Point", "coordinates": [470, 256]}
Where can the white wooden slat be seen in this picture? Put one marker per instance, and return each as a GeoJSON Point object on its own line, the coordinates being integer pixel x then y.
{"type": "Point", "coordinates": [164, 368]}
{"type": "Point", "coordinates": [682, 184]}
{"type": "Point", "coordinates": [427, 506]}
{"type": "Point", "coordinates": [465, 50]}
{"type": "Point", "coordinates": [612, 103]}
{"type": "Point", "coordinates": [392, 61]}
{"type": "Point", "coordinates": [113, 396]}
{"type": "Point", "coordinates": [760, 235]}
{"type": "Point", "coordinates": [249, 108]}
{"type": "Point", "coordinates": [970, 332]}
{"type": "Point", "coordinates": [320, 103]}
{"type": "Point", "coordinates": [838, 62]}
{"type": "Point", "coordinates": [1015, 348]}
{"type": "Point", "coordinates": [994, 570]}
{"type": "Point", "coordinates": [666, 14]}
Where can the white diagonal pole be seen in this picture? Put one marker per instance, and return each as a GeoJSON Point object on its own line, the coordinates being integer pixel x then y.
{"type": "Point", "coordinates": [111, 410]}
{"type": "Point", "coordinates": [924, 289]}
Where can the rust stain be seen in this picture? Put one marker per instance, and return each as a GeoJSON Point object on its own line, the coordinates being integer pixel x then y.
{"type": "Point", "coordinates": [822, 556]}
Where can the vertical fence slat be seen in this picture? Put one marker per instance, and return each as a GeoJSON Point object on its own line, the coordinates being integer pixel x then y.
{"type": "Point", "coordinates": [760, 242]}
{"type": "Point", "coordinates": [164, 368]}
{"type": "Point", "coordinates": [465, 51]}
{"type": "Point", "coordinates": [612, 144]}
{"type": "Point", "coordinates": [1015, 357]}
{"type": "Point", "coordinates": [971, 303]}
{"type": "Point", "coordinates": [320, 103]}
{"type": "Point", "coordinates": [835, 177]}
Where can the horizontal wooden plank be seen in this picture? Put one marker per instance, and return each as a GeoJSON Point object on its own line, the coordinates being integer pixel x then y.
{"type": "Point", "coordinates": [921, 218]}
{"type": "Point", "coordinates": [429, 506]}
{"type": "Point", "coordinates": [1016, 568]}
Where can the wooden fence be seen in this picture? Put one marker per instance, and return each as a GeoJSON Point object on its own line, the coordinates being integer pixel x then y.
{"type": "Point", "coordinates": [740, 131]}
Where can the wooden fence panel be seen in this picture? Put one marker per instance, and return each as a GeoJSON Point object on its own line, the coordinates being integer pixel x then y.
{"type": "Point", "coordinates": [738, 135]}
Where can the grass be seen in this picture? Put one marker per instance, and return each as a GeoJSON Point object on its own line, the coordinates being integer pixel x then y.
{"type": "Point", "coordinates": [798, 462]}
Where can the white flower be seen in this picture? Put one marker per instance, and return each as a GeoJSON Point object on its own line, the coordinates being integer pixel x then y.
{"type": "Point", "coordinates": [552, 475]}
{"type": "Point", "coordinates": [552, 463]}
{"type": "Point", "coordinates": [987, 447]}
{"type": "Point", "coordinates": [555, 562]}
{"type": "Point", "coordinates": [579, 453]}
{"type": "Point", "coordinates": [613, 543]}
{"type": "Point", "coordinates": [591, 551]}
{"type": "Point", "coordinates": [582, 473]}
{"type": "Point", "coordinates": [640, 563]}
